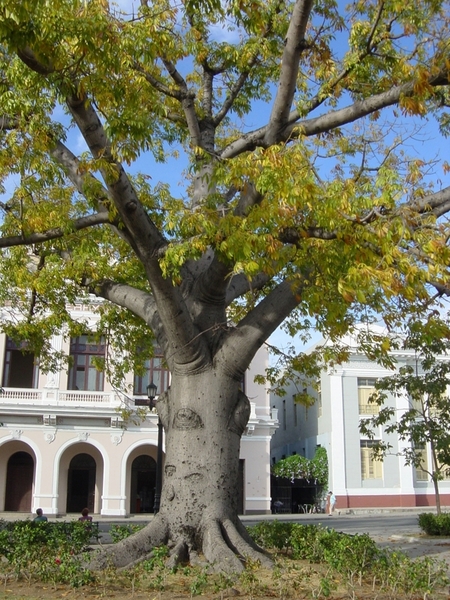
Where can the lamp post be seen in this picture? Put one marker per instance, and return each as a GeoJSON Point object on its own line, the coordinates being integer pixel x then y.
{"type": "Point", "coordinates": [151, 393]}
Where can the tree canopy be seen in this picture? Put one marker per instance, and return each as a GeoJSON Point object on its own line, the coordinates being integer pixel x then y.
{"type": "Point", "coordinates": [213, 170]}
{"type": "Point", "coordinates": [295, 180]}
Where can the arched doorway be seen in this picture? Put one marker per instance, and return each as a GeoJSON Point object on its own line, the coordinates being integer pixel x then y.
{"type": "Point", "coordinates": [81, 483]}
{"type": "Point", "coordinates": [19, 482]}
{"type": "Point", "coordinates": [143, 481]}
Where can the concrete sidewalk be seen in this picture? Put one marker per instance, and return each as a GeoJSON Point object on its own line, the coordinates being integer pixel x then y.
{"type": "Point", "coordinates": [146, 517]}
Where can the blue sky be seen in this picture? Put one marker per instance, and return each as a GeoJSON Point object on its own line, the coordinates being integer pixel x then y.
{"type": "Point", "coordinates": [426, 143]}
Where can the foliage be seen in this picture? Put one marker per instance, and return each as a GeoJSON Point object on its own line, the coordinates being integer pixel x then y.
{"type": "Point", "coordinates": [435, 524]}
{"type": "Point", "coordinates": [425, 422]}
{"type": "Point", "coordinates": [356, 557]}
{"type": "Point", "coordinates": [318, 544]}
{"type": "Point", "coordinates": [299, 467]}
{"type": "Point", "coordinates": [47, 552]}
{"type": "Point", "coordinates": [50, 551]}
{"type": "Point", "coordinates": [120, 532]}
{"type": "Point", "coordinates": [324, 195]}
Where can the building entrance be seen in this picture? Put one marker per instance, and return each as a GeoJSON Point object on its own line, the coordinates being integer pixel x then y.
{"type": "Point", "coordinates": [81, 483]}
{"type": "Point", "coordinates": [19, 482]}
{"type": "Point", "coordinates": [143, 482]}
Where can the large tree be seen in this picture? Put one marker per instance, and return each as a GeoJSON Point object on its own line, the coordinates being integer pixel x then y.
{"type": "Point", "coordinates": [290, 131]}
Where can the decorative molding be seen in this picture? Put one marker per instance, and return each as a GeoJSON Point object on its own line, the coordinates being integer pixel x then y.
{"type": "Point", "coordinates": [83, 436]}
{"type": "Point", "coordinates": [50, 420]}
{"type": "Point", "coordinates": [50, 436]}
{"type": "Point", "coordinates": [16, 434]}
{"type": "Point", "coordinates": [116, 437]}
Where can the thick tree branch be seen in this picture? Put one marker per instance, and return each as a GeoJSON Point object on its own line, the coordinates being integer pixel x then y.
{"type": "Point", "coordinates": [249, 197]}
{"type": "Point", "coordinates": [7, 123]}
{"type": "Point", "coordinates": [254, 329]}
{"type": "Point", "coordinates": [140, 303]}
{"type": "Point", "coordinates": [328, 121]}
{"type": "Point", "coordinates": [240, 285]}
{"type": "Point", "coordinates": [294, 46]}
{"type": "Point", "coordinates": [80, 179]}
{"type": "Point", "coordinates": [85, 183]}
{"type": "Point", "coordinates": [180, 330]}
{"type": "Point", "coordinates": [207, 92]}
{"type": "Point", "coordinates": [55, 233]}
{"type": "Point", "coordinates": [292, 235]}
{"type": "Point", "coordinates": [29, 58]}
{"type": "Point", "coordinates": [187, 102]}
{"type": "Point", "coordinates": [437, 203]}
{"type": "Point", "coordinates": [358, 110]}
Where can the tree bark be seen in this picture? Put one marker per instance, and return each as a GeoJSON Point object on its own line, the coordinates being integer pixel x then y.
{"type": "Point", "coordinates": [204, 415]}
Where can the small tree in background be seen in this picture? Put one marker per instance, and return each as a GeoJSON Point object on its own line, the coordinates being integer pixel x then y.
{"type": "Point", "coordinates": [426, 423]}
{"type": "Point", "coordinates": [299, 467]}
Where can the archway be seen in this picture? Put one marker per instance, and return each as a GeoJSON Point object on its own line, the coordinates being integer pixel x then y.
{"type": "Point", "coordinates": [19, 482]}
{"type": "Point", "coordinates": [143, 481]}
{"type": "Point", "coordinates": [81, 483]}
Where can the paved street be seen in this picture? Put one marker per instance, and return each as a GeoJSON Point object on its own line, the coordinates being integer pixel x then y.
{"type": "Point", "coordinates": [380, 524]}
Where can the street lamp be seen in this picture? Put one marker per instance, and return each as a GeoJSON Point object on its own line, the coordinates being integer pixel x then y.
{"type": "Point", "coordinates": [151, 393]}
{"type": "Point", "coordinates": [152, 388]}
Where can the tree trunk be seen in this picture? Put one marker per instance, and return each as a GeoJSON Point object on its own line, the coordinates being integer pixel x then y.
{"type": "Point", "coordinates": [204, 416]}
{"type": "Point", "coordinates": [436, 493]}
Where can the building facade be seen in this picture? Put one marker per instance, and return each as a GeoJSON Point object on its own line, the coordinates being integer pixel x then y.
{"type": "Point", "coordinates": [68, 440]}
{"type": "Point", "coordinates": [333, 422]}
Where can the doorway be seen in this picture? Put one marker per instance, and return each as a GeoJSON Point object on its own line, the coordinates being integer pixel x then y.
{"type": "Point", "coordinates": [19, 482]}
{"type": "Point", "coordinates": [81, 483]}
{"type": "Point", "coordinates": [143, 482]}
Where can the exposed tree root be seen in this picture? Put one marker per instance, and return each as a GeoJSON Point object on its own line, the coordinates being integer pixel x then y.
{"type": "Point", "coordinates": [225, 544]}
{"type": "Point", "coordinates": [178, 555]}
{"type": "Point", "coordinates": [244, 545]}
{"type": "Point", "coordinates": [133, 549]}
{"type": "Point", "coordinates": [216, 550]}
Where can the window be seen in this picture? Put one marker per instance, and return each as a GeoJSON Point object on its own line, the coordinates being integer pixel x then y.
{"type": "Point", "coordinates": [284, 415]}
{"type": "Point", "coordinates": [295, 412]}
{"type": "Point", "coordinates": [416, 402]}
{"type": "Point", "coordinates": [366, 388]}
{"type": "Point", "coordinates": [421, 475]}
{"type": "Point", "coordinates": [20, 369]}
{"type": "Point", "coordinates": [154, 371]}
{"type": "Point", "coordinates": [83, 374]}
{"type": "Point", "coordinates": [370, 468]}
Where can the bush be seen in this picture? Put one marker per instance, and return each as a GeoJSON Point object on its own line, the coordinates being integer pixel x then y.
{"type": "Point", "coordinates": [353, 555]}
{"type": "Point", "coordinates": [435, 524]}
{"type": "Point", "coordinates": [273, 534]}
{"type": "Point", "coordinates": [317, 544]}
{"type": "Point", "coordinates": [46, 550]}
{"type": "Point", "coordinates": [120, 532]}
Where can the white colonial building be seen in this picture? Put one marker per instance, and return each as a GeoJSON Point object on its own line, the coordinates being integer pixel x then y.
{"type": "Point", "coordinates": [333, 422]}
{"type": "Point", "coordinates": [64, 444]}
